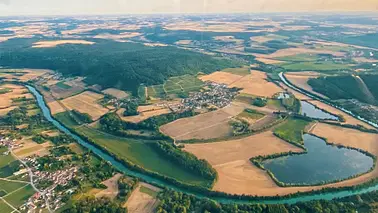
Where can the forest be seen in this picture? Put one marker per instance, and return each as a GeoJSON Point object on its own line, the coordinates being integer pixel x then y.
{"type": "Point", "coordinates": [111, 64]}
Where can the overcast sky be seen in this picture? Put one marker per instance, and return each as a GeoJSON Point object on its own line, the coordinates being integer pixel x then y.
{"type": "Point", "coordinates": [82, 7]}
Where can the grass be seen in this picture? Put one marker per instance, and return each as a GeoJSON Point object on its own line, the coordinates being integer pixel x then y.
{"type": "Point", "coordinates": [292, 130]}
{"type": "Point", "coordinates": [148, 191]}
{"type": "Point", "coordinates": [245, 70]}
{"type": "Point", "coordinates": [9, 187]}
{"type": "Point", "coordinates": [5, 159]}
{"type": "Point", "coordinates": [315, 66]}
{"type": "Point", "coordinates": [299, 58]}
{"type": "Point", "coordinates": [19, 197]}
{"type": "Point", "coordinates": [62, 85]}
{"type": "Point", "coordinates": [142, 154]}
{"type": "Point", "coordinates": [5, 208]}
{"type": "Point", "coordinates": [65, 118]}
{"type": "Point", "coordinates": [251, 114]}
{"type": "Point", "coordinates": [5, 90]}
{"type": "Point", "coordinates": [75, 148]}
{"type": "Point", "coordinates": [175, 86]}
{"type": "Point", "coordinates": [275, 103]}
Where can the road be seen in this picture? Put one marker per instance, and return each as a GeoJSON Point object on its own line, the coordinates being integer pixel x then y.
{"type": "Point", "coordinates": [31, 175]}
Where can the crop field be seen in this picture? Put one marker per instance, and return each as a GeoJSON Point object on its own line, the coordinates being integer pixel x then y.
{"type": "Point", "coordinates": [16, 92]}
{"type": "Point", "coordinates": [299, 50]}
{"type": "Point", "coordinates": [145, 112]}
{"type": "Point", "coordinates": [111, 190]}
{"type": "Point", "coordinates": [316, 66]}
{"type": "Point", "coordinates": [142, 154]}
{"type": "Point", "coordinates": [299, 58]}
{"type": "Point", "coordinates": [86, 102]}
{"type": "Point", "coordinates": [236, 174]}
{"type": "Point", "coordinates": [62, 85]}
{"type": "Point", "coordinates": [116, 93]}
{"type": "Point", "coordinates": [221, 77]}
{"type": "Point", "coordinates": [242, 71]}
{"type": "Point", "coordinates": [256, 84]}
{"type": "Point", "coordinates": [143, 199]}
{"type": "Point", "coordinates": [251, 116]}
{"type": "Point", "coordinates": [292, 130]}
{"type": "Point", "coordinates": [8, 186]}
{"type": "Point", "coordinates": [31, 148]}
{"type": "Point", "coordinates": [19, 197]}
{"type": "Point", "coordinates": [47, 44]}
{"type": "Point", "coordinates": [4, 207]}
{"type": "Point", "coordinates": [269, 61]}
{"type": "Point", "coordinates": [300, 79]}
{"type": "Point", "coordinates": [209, 125]}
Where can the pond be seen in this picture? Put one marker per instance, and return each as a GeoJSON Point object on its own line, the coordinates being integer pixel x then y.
{"type": "Point", "coordinates": [322, 163]}
{"type": "Point", "coordinates": [311, 111]}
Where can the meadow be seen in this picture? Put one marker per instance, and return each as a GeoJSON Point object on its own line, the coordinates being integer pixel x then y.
{"type": "Point", "coordinates": [292, 130]}
{"type": "Point", "coordinates": [19, 197]}
{"type": "Point", "coordinates": [141, 153]}
{"type": "Point", "coordinates": [176, 86]}
{"type": "Point", "coordinates": [315, 66]}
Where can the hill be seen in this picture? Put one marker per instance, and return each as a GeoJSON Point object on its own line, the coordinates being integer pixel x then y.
{"type": "Point", "coordinates": [111, 64]}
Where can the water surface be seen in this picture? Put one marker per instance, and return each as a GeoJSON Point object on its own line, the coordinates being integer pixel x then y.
{"type": "Point", "coordinates": [322, 163]}
{"type": "Point", "coordinates": [311, 111]}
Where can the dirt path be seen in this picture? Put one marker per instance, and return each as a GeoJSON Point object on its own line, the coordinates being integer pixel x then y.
{"type": "Point", "coordinates": [365, 89]}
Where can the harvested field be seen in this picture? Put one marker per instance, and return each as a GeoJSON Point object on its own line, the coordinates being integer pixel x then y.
{"type": "Point", "coordinates": [256, 84]}
{"type": "Point", "coordinates": [4, 111]}
{"type": "Point", "coordinates": [221, 77]}
{"type": "Point", "coordinates": [32, 74]}
{"type": "Point", "coordinates": [204, 126]}
{"type": "Point", "coordinates": [269, 61]}
{"type": "Point", "coordinates": [16, 92]}
{"type": "Point", "coordinates": [86, 102]}
{"type": "Point", "coordinates": [55, 107]}
{"type": "Point", "coordinates": [30, 148]}
{"type": "Point", "coordinates": [46, 44]}
{"type": "Point", "coordinates": [66, 89]}
{"type": "Point", "coordinates": [295, 51]}
{"type": "Point", "coordinates": [300, 80]}
{"type": "Point", "coordinates": [142, 202]}
{"type": "Point", "coordinates": [237, 175]}
{"type": "Point", "coordinates": [112, 187]}
{"type": "Point", "coordinates": [116, 93]}
{"type": "Point", "coordinates": [145, 112]}
{"type": "Point", "coordinates": [348, 119]}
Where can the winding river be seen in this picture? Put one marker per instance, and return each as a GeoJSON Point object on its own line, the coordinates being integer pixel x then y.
{"type": "Point", "coordinates": [119, 166]}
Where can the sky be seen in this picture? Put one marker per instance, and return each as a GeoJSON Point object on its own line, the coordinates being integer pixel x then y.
{"type": "Point", "coordinates": [91, 7]}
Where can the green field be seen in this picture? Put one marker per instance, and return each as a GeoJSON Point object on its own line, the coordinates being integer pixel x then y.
{"type": "Point", "coordinates": [251, 114]}
{"type": "Point", "coordinates": [238, 71]}
{"type": "Point", "coordinates": [315, 66]}
{"type": "Point", "coordinates": [7, 163]}
{"type": "Point", "coordinates": [299, 58]}
{"type": "Point", "coordinates": [292, 130]}
{"type": "Point", "coordinates": [62, 85]}
{"type": "Point", "coordinates": [19, 197]}
{"type": "Point", "coordinates": [142, 154]}
{"type": "Point", "coordinates": [4, 208]}
{"type": "Point", "coordinates": [148, 191]}
{"type": "Point", "coordinates": [175, 86]}
{"type": "Point", "coordinates": [5, 90]}
{"type": "Point", "coordinates": [65, 118]}
{"type": "Point", "coordinates": [8, 186]}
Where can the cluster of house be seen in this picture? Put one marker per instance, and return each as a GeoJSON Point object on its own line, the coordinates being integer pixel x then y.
{"type": "Point", "coordinates": [8, 142]}
{"type": "Point", "coordinates": [216, 95]}
{"type": "Point", "coordinates": [57, 178]}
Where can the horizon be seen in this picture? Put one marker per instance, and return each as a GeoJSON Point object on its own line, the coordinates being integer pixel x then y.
{"type": "Point", "coordinates": [158, 7]}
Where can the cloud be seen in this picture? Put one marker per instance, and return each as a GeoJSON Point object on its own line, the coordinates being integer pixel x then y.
{"type": "Point", "coordinates": [6, 2]}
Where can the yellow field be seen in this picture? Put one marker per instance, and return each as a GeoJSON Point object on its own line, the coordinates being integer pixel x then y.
{"type": "Point", "coordinates": [112, 187]}
{"type": "Point", "coordinates": [145, 112]}
{"type": "Point", "coordinates": [269, 61]}
{"type": "Point", "coordinates": [86, 102]}
{"type": "Point", "coordinates": [221, 77]}
{"type": "Point", "coordinates": [30, 148]}
{"type": "Point", "coordinates": [17, 92]}
{"type": "Point", "coordinates": [300, 79]}
{"type": "Point", "coordinates": [116, 93]}
{"type": "Point", "coordinates": [256, 84]}
{"type": "Point", "coordinates": [47, 44]}
{"type": "Point", "coordinates": [204, 126]}
{"type": "Point", "coordinates": [140, 202]}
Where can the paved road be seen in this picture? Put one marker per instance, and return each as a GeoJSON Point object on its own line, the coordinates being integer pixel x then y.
{"type": "Point", "coordinates": [31, 180]}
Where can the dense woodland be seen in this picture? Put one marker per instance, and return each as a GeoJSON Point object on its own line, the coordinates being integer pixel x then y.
{"type": "Point", "coordinates": [111, 64]}
{"type": "Point", "coordinates": [177, 202]}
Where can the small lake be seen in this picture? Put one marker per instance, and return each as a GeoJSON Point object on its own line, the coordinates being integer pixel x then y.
{"type": "Point", "coordinates": [321, 163]}
{"type": "Point", "coordinates": [311, 111]}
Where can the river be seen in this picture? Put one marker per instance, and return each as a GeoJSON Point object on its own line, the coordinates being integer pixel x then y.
{"type": "Point", "coordinates": [119, 166]}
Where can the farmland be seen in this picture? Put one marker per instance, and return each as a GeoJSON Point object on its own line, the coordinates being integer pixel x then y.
{"type": "Point", "coordinates": [86, 102]}
{"type": "Point", "coordinates": [291, 130]}
{"type": "Point", "coordinates": [316, 66]}
{"type": "Point", "coordinates": [204, 126]}
{"type": "Point", "coordinates": [141, 153]}
{"type": "Point", "coordinates": [175, 86]}
{"type": "Point", "coordinates": [143, 199]}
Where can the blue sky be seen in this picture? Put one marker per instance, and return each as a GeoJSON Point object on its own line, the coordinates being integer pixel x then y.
{"type": "Point", "coordinates": [72, 7]}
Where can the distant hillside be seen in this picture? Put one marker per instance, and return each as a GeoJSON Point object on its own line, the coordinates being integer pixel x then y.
{"type": "Point", "coordinates": [363, 88]}
{"type": "Point", "coordinates": [111, 64]}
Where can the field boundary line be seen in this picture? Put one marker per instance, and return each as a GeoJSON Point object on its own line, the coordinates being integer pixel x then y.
{"type": "Point", "coordinates": [14, 209]}
{"type": "Point", "coordinates": [16, 190]}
